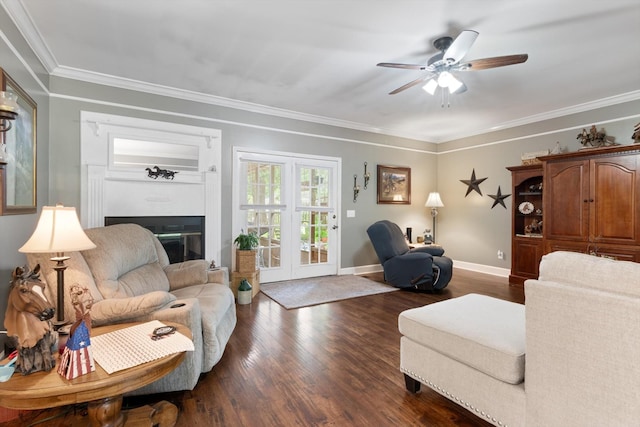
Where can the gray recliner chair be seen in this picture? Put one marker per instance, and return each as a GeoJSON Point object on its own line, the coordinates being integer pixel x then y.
{"type": "Point", "coordinates": [422, 268]}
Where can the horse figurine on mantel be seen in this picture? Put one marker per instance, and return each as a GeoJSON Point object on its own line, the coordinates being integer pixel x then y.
{"type": "Point", "coordinates": [28, 322]}
{"type": "Point", "coordinates": [163, 173]}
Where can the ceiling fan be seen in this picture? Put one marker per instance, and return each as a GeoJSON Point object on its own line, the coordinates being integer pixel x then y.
{"type": "Point", "coordinates": [441, 66]}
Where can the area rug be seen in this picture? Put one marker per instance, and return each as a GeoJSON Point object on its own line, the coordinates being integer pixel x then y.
{"type": "Point", "coordinates": [319, 290]}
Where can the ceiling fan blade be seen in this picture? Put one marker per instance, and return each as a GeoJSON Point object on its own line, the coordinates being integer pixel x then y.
{"type": "Point", "coordinates": [411, 84]}
{"type": "Point", "coordinates": [461, 46]}
{"type": "Point", "coordinates": [405, 66]}
{"type": "Point", "coordinates": [497, 61]}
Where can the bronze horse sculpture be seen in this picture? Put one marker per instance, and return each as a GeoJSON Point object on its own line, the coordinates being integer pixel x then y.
{"type": "Point", "coordinates": [28, 322]}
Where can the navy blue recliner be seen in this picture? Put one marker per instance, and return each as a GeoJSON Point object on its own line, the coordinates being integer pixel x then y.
{"type": "Point", "coordinates": [421, 268]}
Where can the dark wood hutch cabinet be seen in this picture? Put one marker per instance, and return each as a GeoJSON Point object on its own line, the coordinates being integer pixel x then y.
{"type": "Point", "coordinates": [594, 202]}
{"type": "Point", "coordinates": [526, 243]}
{"type": "Point", "coordinates": [590, 201]}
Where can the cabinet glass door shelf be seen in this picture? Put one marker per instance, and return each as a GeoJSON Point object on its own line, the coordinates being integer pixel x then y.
{"type": "Point", "coordinates": [527, 222]}
{"type": "Point", "coordinates": [528, 217]}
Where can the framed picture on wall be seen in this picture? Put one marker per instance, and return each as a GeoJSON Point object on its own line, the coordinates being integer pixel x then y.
{"type": "Point", "coordinates": [19, 144]}
{"type": "Point", "coordinates": [394, 185]}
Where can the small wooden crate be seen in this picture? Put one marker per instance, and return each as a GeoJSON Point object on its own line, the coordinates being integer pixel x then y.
{"type": "Point", "coordinates": [252, 278]}
{"type": "Point", "coordinates": [246, 261]}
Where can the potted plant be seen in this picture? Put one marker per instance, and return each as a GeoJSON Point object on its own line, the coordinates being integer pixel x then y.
{"type": "Point", "coordinates": [247, 252]}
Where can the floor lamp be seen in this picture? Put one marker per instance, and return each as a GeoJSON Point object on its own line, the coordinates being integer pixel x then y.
{"type": "Point", "coordinates": [434, 202]}
{"type": "Point", "coordinates": [58, 231]}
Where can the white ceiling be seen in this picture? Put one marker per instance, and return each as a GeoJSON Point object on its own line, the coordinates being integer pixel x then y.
{"type": "Point", "coordinates": [316, 60]}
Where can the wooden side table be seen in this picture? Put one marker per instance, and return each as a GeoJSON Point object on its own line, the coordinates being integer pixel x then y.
{"type": "Point", "coordinates": [103, 391]}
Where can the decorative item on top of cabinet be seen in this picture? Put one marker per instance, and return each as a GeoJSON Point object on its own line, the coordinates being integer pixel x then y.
{"type": "Point", "coordinates": [531, 158]}
{"type": "Point", "coordinates": [595, 138]}
{"type": "Point", "coordinates": [526, 231]}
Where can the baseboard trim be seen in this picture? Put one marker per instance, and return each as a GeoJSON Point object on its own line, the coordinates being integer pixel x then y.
{"type": "Point", "coordinates": [481, 268]}
{"type": "Point", "coordinates": [361, 269]}
{"type": "Point", "coordinates": [478, 268]}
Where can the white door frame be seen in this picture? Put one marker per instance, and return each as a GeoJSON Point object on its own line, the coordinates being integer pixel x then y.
{"type": "Point", "coordinates": [237, 224]}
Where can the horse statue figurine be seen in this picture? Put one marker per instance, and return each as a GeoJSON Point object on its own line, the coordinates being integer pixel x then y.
{"type": "Point", "coordinates": [163, 173]}
{"type": "Point", "coordinates": [153, 173]}
{"type": "Point", "coordinates": [28, 322]}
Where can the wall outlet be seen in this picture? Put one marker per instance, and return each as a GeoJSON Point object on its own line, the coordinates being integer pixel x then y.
{"type": "Point", "coordinates": [500, 254]}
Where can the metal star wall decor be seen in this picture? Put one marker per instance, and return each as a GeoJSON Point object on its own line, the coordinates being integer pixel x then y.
{"type": "Point", "coordinates": [498, 198]}
{"type": "Point", "coordinates": [473, 183]}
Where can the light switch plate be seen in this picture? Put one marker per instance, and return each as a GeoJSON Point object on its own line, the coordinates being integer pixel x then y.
{"type": "Point", "coordinates": [351, 214]}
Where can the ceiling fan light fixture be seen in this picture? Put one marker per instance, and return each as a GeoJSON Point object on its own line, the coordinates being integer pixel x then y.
{"type": "Point", "coordinates": [454, 84]}
{"type": "Point", "coordinates": [444, 78]}
{"type": "Point", "coordinates": [431, 86]}
{"type": "Point", "coordinates": [452, 52]}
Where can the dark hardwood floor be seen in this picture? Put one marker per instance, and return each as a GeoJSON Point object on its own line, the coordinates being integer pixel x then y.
{"type": "Point", "coordinates": [333, 364]}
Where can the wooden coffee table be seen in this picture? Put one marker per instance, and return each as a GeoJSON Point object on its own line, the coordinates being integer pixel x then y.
{"type": "Point", "coordinates": [103, 391]}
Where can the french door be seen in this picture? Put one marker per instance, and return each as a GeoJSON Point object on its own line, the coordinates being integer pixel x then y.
{"type": "Point", "coordinates": [291, 203]}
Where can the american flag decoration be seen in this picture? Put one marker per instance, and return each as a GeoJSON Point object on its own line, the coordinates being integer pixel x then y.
{"type": "Point", "coordinates": [76, 358]}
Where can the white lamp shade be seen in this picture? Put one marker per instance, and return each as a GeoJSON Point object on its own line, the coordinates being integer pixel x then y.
{"type": "Point", "coordinates": [454, 84]}
{"type": "Point", "coordinates": [434, 201]}
{"type": "Point", "coordinates": [58, 230]}
{"type": "Point", "coordinates": [431, 86]}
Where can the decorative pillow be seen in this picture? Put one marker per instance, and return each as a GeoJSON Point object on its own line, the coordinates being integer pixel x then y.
{"type": "Point", "coordinates": [187, 273]}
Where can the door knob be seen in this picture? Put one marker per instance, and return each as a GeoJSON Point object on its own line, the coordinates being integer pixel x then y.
{"type": "Point", "coordinates": [335, 227]}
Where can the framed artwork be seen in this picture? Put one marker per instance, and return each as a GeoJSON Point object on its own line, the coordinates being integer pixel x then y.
{"type": "Point", "coordinates": [394, 185]}
{"type": "Point", "coordinates": [19, 144]}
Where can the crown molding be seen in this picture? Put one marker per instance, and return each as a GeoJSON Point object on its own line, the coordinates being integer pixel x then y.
{"type": "Point", "coordinates": [554, 114]}
{"type": "Point", "coordinates": [140, 86]}
{"type": "Point", "coordinates": [155, 89]}
{"type": "Point", "coordinates": [24, 23]}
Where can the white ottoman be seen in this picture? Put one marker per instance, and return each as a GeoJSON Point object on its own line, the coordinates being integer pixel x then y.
{"type": "Point", "coordinates": [471, 349]}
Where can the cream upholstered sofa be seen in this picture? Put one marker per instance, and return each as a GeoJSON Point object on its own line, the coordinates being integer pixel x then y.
{"type": "Point", "coordinates": [578, 335]}
{"type": "Point", "coordinates": [130, 279]}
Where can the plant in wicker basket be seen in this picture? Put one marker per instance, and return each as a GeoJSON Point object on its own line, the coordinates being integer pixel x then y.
{"type": "Point", "coordinates": [247, 254]}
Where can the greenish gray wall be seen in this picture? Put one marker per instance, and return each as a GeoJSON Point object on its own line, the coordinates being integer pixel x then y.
{"type": "Point", "coordinates": [250, 130]}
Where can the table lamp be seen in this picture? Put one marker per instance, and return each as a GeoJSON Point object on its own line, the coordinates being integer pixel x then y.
{"type": "Point", "coordinates": [58, 231]}
{"type": "Point", "coordinates": [434, 202]}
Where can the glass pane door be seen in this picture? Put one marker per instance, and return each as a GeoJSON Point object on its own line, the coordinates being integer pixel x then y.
{"type": "Point", "coordinates": [263, 206]}
{"type": "Point", "coordinates": [315, 221]}
{"type": "Point", "coordinates": [291, 204]}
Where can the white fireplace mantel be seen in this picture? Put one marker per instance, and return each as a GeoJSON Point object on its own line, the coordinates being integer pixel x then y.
{"type": "Point", "coordinates": [108, 189]}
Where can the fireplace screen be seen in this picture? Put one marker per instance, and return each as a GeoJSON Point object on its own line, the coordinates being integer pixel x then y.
{"type": "Point", "coordinates": [181, 236]}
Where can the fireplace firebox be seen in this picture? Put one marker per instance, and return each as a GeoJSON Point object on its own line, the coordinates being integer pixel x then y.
{"type": "Point", "coordinates": [181, 236]}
